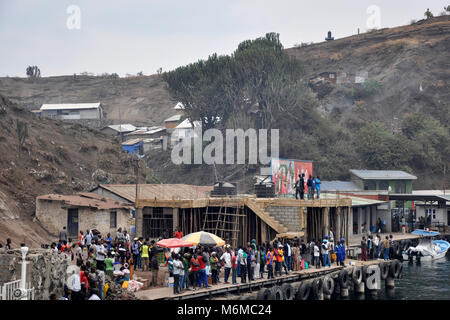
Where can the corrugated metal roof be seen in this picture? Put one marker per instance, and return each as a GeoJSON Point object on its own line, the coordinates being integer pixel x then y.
{"type": "Point", "coordinates": [69, 106]}
{"type": "Point", "coordinates": [131, 142]}
{"type": "Point", "coordinates": [186, 124]}
{"type": "Point", "coordinates": [356, 201]}
{"type": "Point", "coordinates": [337, 185]}
{"type": "Point", "coordinates": [87, 199]}
{"type": "Point", "coordinates": [174, 118]}
{"type": "Point", "coordinates": [179, 106]}
{"type": "Point", "coordinates": [159, 191]}
{"type": "Point", "coordinates": [146, 131]}
{"type": "Point", "coordinates": [122, 127]}
{"type": "Point", "coordinates": [383, 175]}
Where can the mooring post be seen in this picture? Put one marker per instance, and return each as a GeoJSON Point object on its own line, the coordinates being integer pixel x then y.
{"type": "Point", "coordinates": [23, 283]}
{"type": "Point", "coordinates": [344, 292]}
{"type": "Point", "coordinates": [359, 288]}
{"type": "Point", "coordinates": [390, 283]}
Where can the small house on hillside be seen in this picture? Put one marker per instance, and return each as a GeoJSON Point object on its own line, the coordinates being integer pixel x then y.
{"type": "Point", "coordinates": [186, 130]}
{"type": "Point", "coordinates": [146, 133]}
{"type": "Point", "coordinates": [72, 111]}
{"type": "Point", "coordinates": [172, 122]}
{"type": "Point", "coordinates": [133, 146]}
{"type": "Point", "coordinates": [179, 108]}
{"type": "Point", "coordinates": [118, 129]}
{"type": "Point", "coordinates": [83, 211]}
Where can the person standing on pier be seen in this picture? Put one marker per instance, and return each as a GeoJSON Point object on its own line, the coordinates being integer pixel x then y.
{"type": "Point", "coordinates": [364, 249]}
{"type": "Point", "coordinates": [325, 256]}
{"type": "Point", "coordinates": [226, 258]}
{"type": "Point", "coordinates": [316, 253]}
{"type": "Point", "coordinates": [234, 265]}
{"type": "Point", "coordinates": [177, 267]}
{"type": "Point", "coordinates": [243, 263]}
{"type": "Point", "coordinates": [377, 245]}
{"type": "Point", "coordinates": [386, 247]}
{"type": "Point", "coordinates": [370, 247]}
{"type": "Point", "coordinates": [269, 262]}
{"type": "Point", "coordinates": [262, 261]}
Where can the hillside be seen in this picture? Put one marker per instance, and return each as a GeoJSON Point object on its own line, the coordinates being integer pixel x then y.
{"type": "Point", "coordinates": [55, 158]}
{"type": "Point", "coordinates": [408, 71]}
{"type": "Point", "coordinates": [411, 64]}
{"type": "Point", "coordinates": [140, 100]}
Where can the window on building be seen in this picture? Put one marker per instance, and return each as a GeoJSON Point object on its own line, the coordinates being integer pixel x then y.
{"type": "Point", "coordinates": [400, 187]}
{"type": "Point", "coordinates": [113, 219]}
{"type": "Point", "coordinates": [384, 185]}
{"type": "Point", "coordinates": [370, 185]}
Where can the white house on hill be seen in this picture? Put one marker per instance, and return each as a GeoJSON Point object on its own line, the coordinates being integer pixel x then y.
{"type": "Point", "coordinates": [72, 111]}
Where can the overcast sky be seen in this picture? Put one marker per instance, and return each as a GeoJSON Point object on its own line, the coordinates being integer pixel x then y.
{"type": "Point", "coordinates": [137, 35]}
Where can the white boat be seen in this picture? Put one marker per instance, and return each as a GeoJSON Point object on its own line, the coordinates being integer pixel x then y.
{"type": "Point", "coordinates": [428, 248]}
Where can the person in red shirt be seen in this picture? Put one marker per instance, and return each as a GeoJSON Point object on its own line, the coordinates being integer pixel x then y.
{"type": "Point", "coordinates": [178, 233]}
{"type": "Point", "coordinates": [234, 266]}
{"type": "Point", "coordinates": [194, 271]}
{"type": "Point", "coordinates": [202, 277]}
{"type": "Point", "coordinates": [84, 278]}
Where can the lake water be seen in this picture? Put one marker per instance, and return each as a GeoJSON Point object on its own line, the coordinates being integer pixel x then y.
{"type": "Point", "coordinates": [427, 280]}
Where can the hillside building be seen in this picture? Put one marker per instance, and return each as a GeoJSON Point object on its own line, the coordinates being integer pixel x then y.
{"type": "Point", "coordinates": [83, 211]}
{"type": "Point", "coordinates": [72, 111]}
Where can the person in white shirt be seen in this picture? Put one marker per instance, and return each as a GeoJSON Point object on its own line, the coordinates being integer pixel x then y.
{"type": "Point", "coordinates": [325, 256]}
{"type": "Point", "coordinates": [316, 256]}
{"type": "Point", "coordinates": [177, 267]}
{"type": "Point", "coordinates": [74, 285]}
{"type": "Point", "coordinates": [226, 257]}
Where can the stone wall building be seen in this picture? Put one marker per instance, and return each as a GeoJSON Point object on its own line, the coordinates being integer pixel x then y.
{"type": "Point", "coordinates": [81, 212]}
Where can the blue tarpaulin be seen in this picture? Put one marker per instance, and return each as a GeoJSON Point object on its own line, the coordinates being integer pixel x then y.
{"type": "Point", "coordinates": [132, 148]}
{"type": "Point", "coordinates": [425, 233]}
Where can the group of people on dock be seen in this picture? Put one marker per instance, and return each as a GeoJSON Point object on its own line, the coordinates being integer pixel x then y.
{"type": "Point", "coordinates": [375, 248]}
{"type": "Point", "coordinates": [103, 260]}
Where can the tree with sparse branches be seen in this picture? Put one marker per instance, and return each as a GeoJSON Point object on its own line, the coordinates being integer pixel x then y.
{"type": "Point", "coordinates": [447, 8]}
{"type": "Point", "coordinates": [428, 14]}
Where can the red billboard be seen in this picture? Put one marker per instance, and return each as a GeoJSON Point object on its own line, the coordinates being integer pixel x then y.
{"type": "Point", "coordinates": [285, 173]}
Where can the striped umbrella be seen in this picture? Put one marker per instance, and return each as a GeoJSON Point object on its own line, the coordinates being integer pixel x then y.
{"type": "Point", "coordinates": [203, 238]}
{"type": "Point", "coordinates": [173, 243]}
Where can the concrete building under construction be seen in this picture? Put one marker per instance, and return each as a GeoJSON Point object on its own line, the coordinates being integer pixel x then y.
{"type": "Point", "coordinates": [237, 219]}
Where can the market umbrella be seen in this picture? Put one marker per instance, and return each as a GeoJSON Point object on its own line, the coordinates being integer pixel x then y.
{"type": "Point", "coordinates": [203, 238]}
{"type": "Point", "coordinates": [173, 243]}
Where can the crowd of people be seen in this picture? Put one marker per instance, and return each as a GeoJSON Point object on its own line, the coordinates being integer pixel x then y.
{"type": "Point", "coordinates": [106, 259]}
{"type": "Point", "coordinates": [375, 248]}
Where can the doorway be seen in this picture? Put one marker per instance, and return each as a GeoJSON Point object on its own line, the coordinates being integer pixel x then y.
{"type": "Point", "coordinates": [72, 222]}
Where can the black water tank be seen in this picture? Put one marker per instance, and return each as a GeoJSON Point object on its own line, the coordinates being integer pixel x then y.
{"type": "Point", "coordinates": [265, 190]}
{"type": "Point", "coordinates": [222, 189]}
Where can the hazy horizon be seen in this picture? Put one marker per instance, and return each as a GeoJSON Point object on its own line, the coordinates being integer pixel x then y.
{"type": "Point", "coordinates": [147, 35]}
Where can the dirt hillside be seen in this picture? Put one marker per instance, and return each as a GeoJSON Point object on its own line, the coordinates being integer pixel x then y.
{"type": "Point", "coordinates": [56, 158]}
{"type": "Point", "coordinates": [411, 64]}
{"type": "Point", "coordinates": [140, 100]}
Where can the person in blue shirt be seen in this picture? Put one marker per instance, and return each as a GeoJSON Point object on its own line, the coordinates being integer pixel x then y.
{"type": "Point", "coordinates": [317, 186]}
{"type": "Point", "coordinates": [108, 241]}
{"type": "Point", "coordinates": [342, 252]}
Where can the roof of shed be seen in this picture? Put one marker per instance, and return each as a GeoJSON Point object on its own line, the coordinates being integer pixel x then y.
{"type": "Point", "coordinates": [383, 175]}
{"type": "Point", "coordinates": [87, 199]}
{"type": "Point", "coordinates": [159, 191]}
{"type": "Point", "coordinates": [69, 106]}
